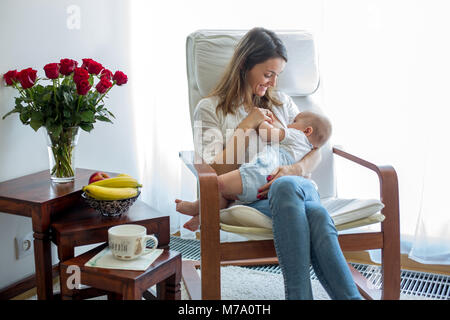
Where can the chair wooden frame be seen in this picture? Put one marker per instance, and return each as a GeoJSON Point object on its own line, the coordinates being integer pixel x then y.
{"type": "Point", "coordinates": [214, 253]}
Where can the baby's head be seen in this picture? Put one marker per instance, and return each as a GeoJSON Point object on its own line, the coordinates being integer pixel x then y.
{"type": "Point", "coordinates": [316, 127]}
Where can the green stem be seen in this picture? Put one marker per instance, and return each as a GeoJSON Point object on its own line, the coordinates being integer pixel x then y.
{"type": "Point", "coordinates": [54, 92]}
{"type": "Point", "coordinates": [21, 91]}
{"type": "Point", "coordinates": [103, 95]}
{"type": "Point", "coordinates": [30, 91]}
{"type": "Point", "coordinates": [63, 153]}
{"type": "Point", "coordinates": [78, 108]}
{"type": "Point", "coordinates": [58, 114]}
{"type": "Point", "coordinates": [79, 101]}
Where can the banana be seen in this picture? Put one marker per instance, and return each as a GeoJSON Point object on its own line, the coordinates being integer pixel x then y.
{"type": "Point", "coordinates": [123, 175]}
{"type": "Point", "coordinates": [118, 182]}
{"type": "Point", "coordinates": [106, 193]}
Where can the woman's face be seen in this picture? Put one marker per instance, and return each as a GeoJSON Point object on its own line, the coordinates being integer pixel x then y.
{"type": "Point", "coordinates": [265, 75]}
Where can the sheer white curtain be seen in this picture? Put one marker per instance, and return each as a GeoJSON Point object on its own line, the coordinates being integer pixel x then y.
{"type": "Point", "coordinates": [384, 71]}
{"type": "Point", "coordinates": [385, 67]}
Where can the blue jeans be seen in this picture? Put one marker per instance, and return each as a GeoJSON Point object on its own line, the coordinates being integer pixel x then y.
{"type": "Point", "coordinates": [304, 235]}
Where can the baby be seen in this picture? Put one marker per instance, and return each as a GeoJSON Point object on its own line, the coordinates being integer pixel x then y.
{"type": "Point", "coordinates": [308, 131]}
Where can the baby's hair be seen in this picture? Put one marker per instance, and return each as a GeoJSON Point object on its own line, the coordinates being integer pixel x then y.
{"type": "Point", "coordinates": [321, 127]}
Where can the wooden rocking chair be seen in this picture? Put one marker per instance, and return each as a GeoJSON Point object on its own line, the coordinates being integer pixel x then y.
{"type": "Point", "coordinates": [208, 52]}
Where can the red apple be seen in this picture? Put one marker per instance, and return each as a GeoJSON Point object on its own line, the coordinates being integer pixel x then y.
{"type": "Point", "coordinates": [97, 176]}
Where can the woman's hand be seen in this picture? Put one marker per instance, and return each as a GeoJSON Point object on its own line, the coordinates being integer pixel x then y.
{"type": "Point", "coordinates": [288, 170]}
{"type": "Point", "coordinates": [302, 168]}
{"type": "Point", "coordinates": [267, 114]}
{"type": "Point", "coordinates": [256, 117]}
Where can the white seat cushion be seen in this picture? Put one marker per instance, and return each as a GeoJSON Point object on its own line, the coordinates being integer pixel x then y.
{"type": "Point", "coordinates": [347, 210]}
{"type": "Point", "coordinates": [346, 213]}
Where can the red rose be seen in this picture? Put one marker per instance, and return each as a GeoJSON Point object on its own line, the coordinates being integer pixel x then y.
{"type": "Point", "coordinates": [106, 73]}
{"type": "Point", "coordinates": [103, 85]}
{"type": "Point", "coordinates": [52, 70]}
{"type": "Point", "coordinates": [83, 87]}
{"type": "Point", "coordinates": [86, 63]}
{"type": "Point", "coordinates": [80, 74]}
{"type": "Point", "coordinates": [94, 67]}
{"type": "Point", "coordinates": [11, 77]}
{"type": "Point", "coordinates": [120, 78]}
{"type": "Point", "coordinates": [67, 66]}
{"type": "Point", "coordinates": [27, 77]}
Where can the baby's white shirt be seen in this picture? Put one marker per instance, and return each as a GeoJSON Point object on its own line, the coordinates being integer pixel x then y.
{"type": "Point", "coordinates": [296, 143]}
{"type": "Point", "coordinates": [212, 130]}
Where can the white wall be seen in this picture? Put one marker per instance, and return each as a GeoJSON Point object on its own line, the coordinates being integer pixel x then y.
{"type": "Point", "coordinates": [158, 43]}
{"type": "Point", "coordinates": [34, 33]}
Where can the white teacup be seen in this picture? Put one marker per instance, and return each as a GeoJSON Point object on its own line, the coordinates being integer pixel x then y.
{"type": "Point", "coordinates": [129, 241]}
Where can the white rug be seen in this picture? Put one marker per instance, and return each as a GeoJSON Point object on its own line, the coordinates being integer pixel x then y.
{"type": "Point", "coordinates": [239, 283]}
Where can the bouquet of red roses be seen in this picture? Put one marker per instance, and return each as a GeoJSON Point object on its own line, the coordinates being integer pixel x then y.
{"type": "Point", "coordinates": [73, 97]}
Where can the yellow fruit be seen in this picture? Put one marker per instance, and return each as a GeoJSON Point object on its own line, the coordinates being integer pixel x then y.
{"type": "Point", "coordinates": [106, 193]}
{"type": "Point", "coordinates": [123, 175]}
{"type": "Point", "coordinates": [118, 182]}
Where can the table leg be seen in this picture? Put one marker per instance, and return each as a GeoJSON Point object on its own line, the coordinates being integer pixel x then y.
{"type": "Point", "coordinates": [65, 252]}
{"type": "Point", "coordinates": [131, 292]}
{"type": "Point", "coordinates": [172, 284]}
{"type": "Point", "coordinates": [43, 266]}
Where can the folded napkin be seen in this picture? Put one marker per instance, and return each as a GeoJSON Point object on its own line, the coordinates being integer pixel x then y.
{"type": "Point", "coordinates": [105, 259]}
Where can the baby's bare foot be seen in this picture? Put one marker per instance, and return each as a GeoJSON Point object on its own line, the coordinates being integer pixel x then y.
{"type": "Point", "coordinates": [187, 207]}
{"type": "Point", "coordinates": [193, 224]}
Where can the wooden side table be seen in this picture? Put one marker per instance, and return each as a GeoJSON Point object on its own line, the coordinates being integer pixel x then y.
{"type": "Point", "coordinates": [130, 285]}
{"type": "Point", "coordinates": [81, 226]}
{"type": "Point", "coordinates": [37, 197]}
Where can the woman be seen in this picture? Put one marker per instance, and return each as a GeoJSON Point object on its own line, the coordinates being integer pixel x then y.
{"type": "Point", "coordinates": [304, 233]}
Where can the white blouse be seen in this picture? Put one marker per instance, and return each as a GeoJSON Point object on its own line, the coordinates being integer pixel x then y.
{"type": "Point", "coordinates": [212, 130]}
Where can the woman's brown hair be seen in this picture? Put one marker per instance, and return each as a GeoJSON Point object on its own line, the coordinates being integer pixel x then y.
{"type": "Point", "coordinates": [257, 46]}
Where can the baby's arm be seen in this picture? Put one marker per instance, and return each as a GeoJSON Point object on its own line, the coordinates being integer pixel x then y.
{"type": "Point", "coordinates": [269, 133]}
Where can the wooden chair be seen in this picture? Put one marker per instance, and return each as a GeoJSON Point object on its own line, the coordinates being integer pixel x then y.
{"type": "Point", "coordinates": [208, 51]}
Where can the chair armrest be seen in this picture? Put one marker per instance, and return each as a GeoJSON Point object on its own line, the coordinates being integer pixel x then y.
{"type": "Point", "coordinates": [206, 175]}
{"type": "Point", "coordinates": [386, 173]}
{"type": "Point", "coordinates": [388, 195]}
{"type": "Point", "coordinates": [390, 227]}
{"type": "Point", "coordinates": [209, 216]}
{"type": "Point", "coordinates": [388, 186]}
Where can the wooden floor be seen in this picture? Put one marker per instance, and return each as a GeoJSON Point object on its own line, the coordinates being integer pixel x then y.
{"type": "Point", "coordinates": [32, 292]}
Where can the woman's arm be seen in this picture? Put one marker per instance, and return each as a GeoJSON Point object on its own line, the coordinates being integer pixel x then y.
{"type": "Point", "coordinates": [233, 153]}
{"type": "Point", "coordinates": [269, 133]}
{"type": "Point", "coordinates": [227, 160]}
{"type": "Point", "coordinates": [308, 163]}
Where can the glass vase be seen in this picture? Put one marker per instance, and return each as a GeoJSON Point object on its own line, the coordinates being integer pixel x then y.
{"type": "Point", "coordinates": [61, 153]}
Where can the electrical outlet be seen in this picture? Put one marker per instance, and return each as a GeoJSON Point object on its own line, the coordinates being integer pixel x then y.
{"type": "Point", "coordinates": [24, 245]}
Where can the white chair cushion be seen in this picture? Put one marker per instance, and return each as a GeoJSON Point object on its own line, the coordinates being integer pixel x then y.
{"type": "Point", "coordinates": [347, 210]}
{"type": "Point", "coordinates": [375, 218]}
{"type": "Point", "coordinates": [346, 214]}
